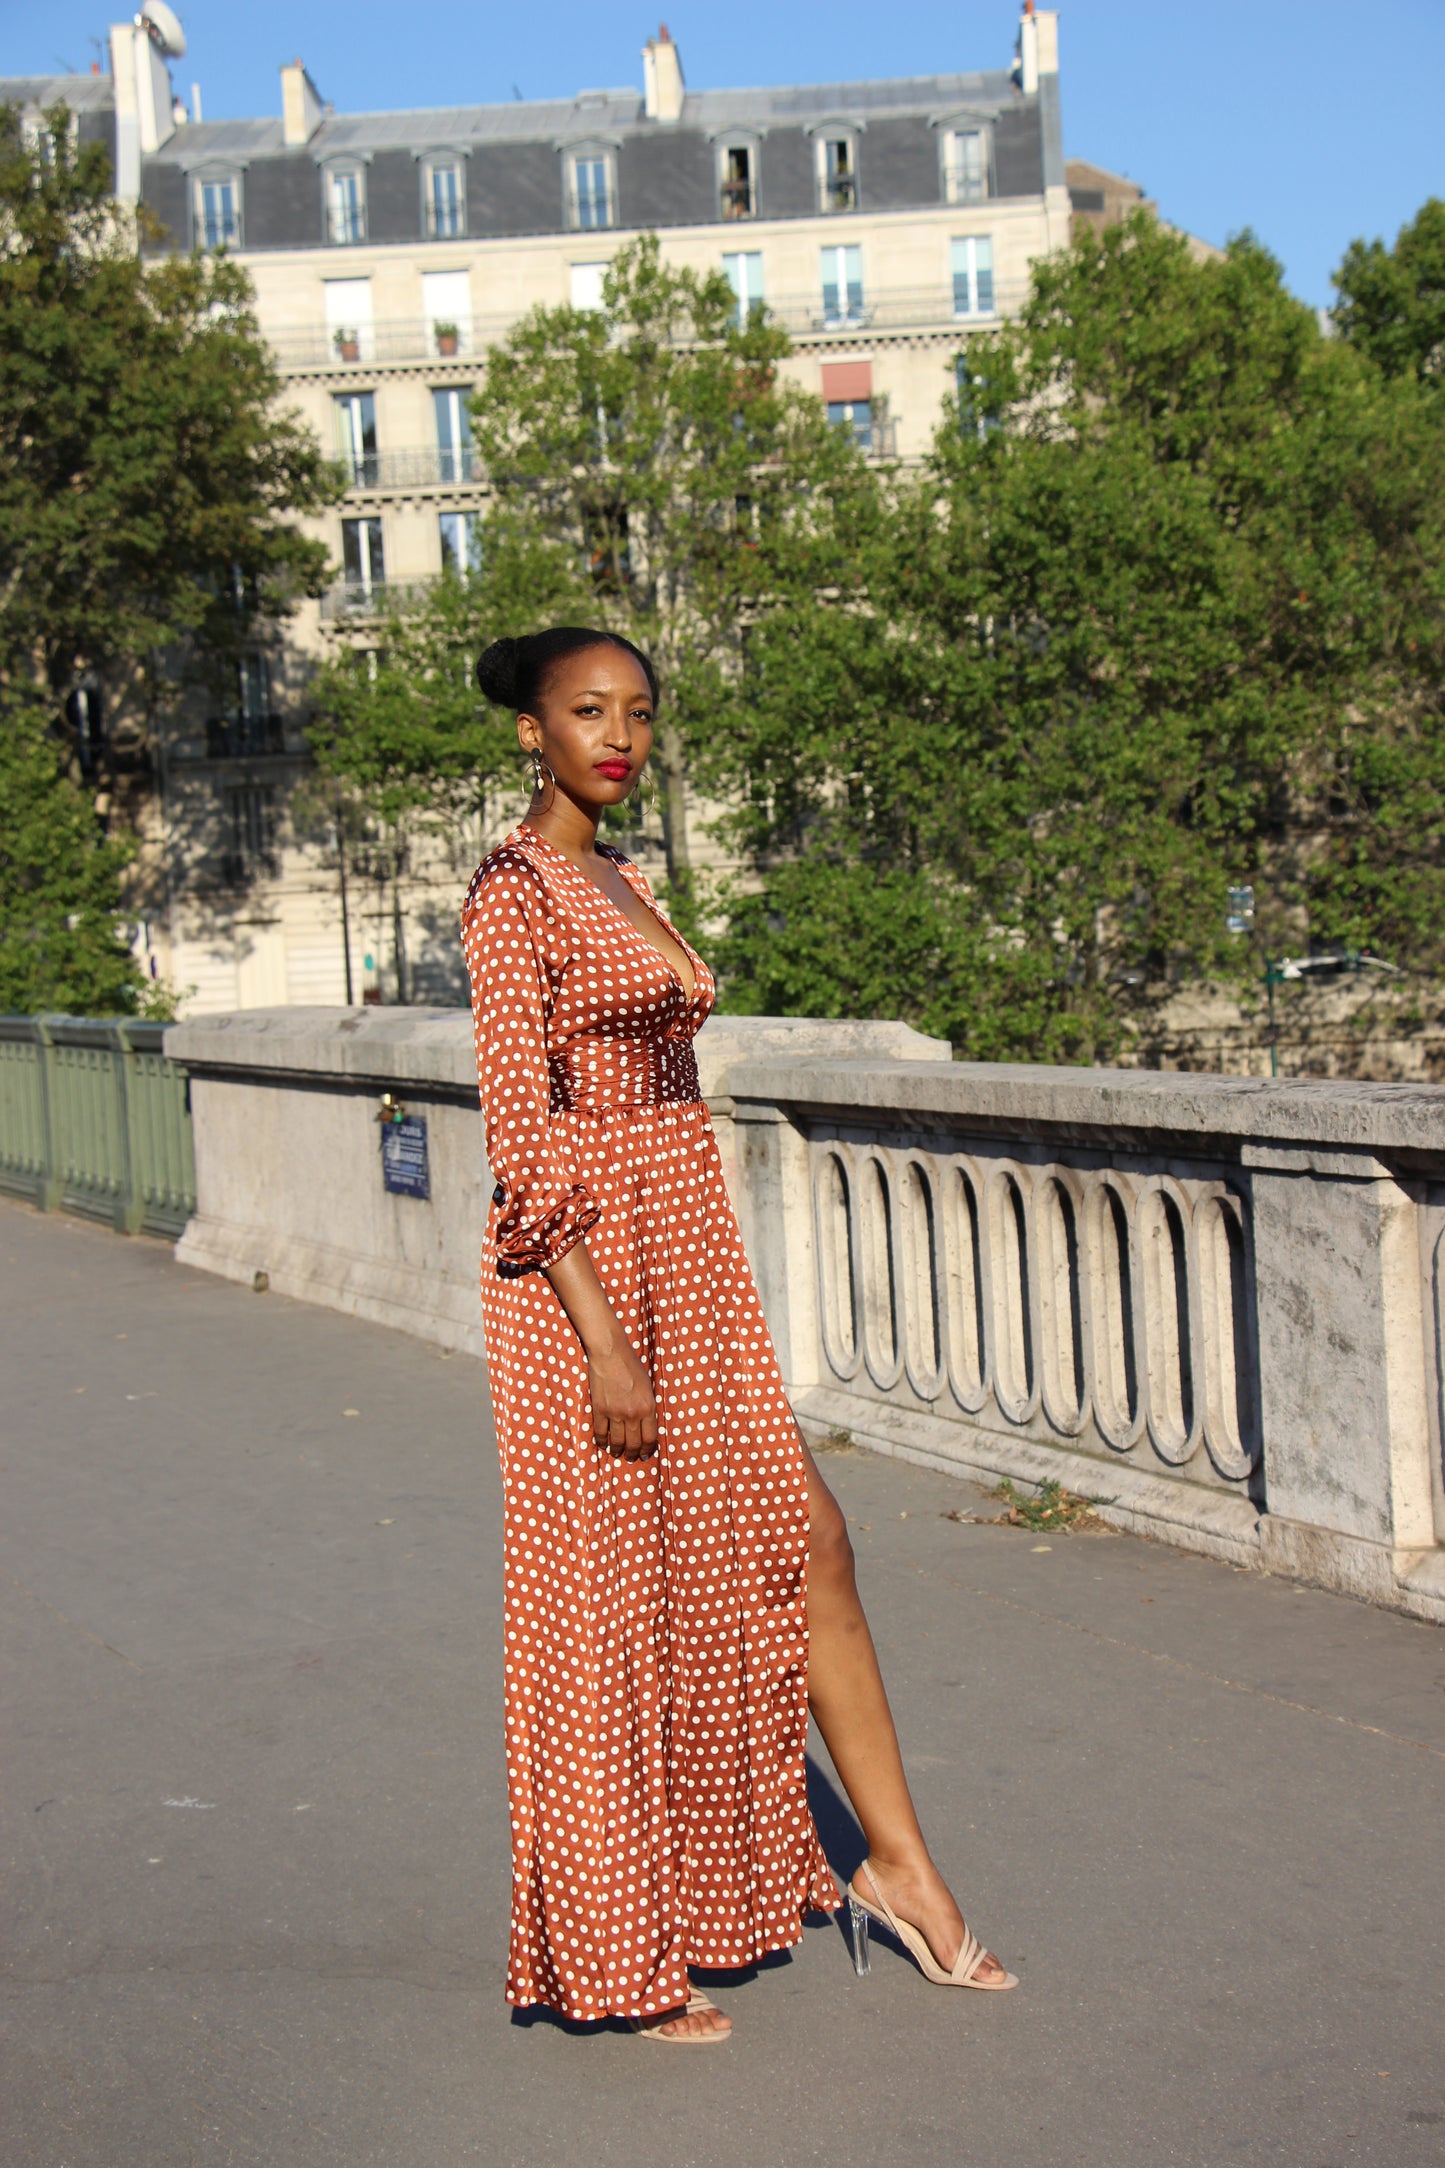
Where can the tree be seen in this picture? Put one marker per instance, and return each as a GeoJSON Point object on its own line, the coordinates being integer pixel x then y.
{"type": "Point", "coordinates": [148, 483]}
{"type": "Point", "coordinates": [405, 747]}
{"type": "Point", "coordinates": [1157, 618]}
{"type": "Point", "coordinates": [148, 491]}
{"type": "Point", "coordinates": [677, 484]}
{"type": "Point", "coordinates": [60, 946]}
{"type": "Point", "coordinates": [1392, 300]}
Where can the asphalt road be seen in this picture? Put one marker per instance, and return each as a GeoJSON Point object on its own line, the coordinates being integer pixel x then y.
{"type": "Point", "coordinates": [253, 1822]}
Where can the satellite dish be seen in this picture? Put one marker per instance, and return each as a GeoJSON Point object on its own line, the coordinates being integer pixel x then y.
{"type": "Point", "coordinates": [164, 26]}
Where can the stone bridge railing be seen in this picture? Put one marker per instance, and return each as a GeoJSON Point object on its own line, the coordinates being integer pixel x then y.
{"type": "Point", "coordinates": [1213, 1303]}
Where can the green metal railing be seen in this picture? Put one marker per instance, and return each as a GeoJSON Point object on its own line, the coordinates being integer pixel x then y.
{"type": "Point", "coordinates": [94, 1119]}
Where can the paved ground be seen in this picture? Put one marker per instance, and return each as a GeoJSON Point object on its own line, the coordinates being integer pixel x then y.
{"type": "Point", "coordinates": [254, 1832]}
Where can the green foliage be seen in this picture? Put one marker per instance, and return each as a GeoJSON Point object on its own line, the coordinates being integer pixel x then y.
{"type": "Point", "coordinates": [653, 455]}
{"type": "Point", "coordinates": [147, 493]}
{"type": "Point", "coordinates": [139, 506]}
{"type": "Point", "coordinates": [1049, 1510]}
{"type": "Point", "coordinates": [59, 883]}
{"type": "Point", "coordinates": [1162, 614]}
{"type": "Point", "coordinates": [1392, 300]}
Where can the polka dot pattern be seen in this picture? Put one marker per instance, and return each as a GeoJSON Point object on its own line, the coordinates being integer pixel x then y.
{"type": "Point", "coordinates": [656, 1612]}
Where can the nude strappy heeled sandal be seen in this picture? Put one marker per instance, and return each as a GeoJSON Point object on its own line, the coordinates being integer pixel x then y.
{"type": "Point", "coordinates": [696, 2002]}
{"type": "Point", "coordinates": [970, 1956]}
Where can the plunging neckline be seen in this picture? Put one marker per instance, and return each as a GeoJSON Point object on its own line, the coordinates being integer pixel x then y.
{"type": "Point", "coordinates": [646, 901]}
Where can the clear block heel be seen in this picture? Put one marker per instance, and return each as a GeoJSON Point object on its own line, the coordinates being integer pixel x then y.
{"type": "Point", "coordinates": [971, 1953]}
{"type": "Point", "coordinates": [858, 1921]}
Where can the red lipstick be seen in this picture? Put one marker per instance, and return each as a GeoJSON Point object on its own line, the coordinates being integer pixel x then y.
{"type": "Point", "coordinates": [616, 771]}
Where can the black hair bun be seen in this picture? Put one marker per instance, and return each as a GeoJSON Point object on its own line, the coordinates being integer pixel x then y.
{"type": "Point", "coordinates": [498, 673]}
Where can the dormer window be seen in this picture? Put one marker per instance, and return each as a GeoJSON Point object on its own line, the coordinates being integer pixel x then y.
{"type": "Point", "coordinates": [837, 158]}
{"type": "Point", "coordinates": [444, 196]}
{"type": "Point", "coordinates": [738, 180]}
{"type": "Point", "coordinates": [218, 210]}
{"type": "Point", "coordinates": [345, 205]}
{"type": "Point", "coordinates": [967, 176]}
{"type": "Point", "coordinates": [591, 189]}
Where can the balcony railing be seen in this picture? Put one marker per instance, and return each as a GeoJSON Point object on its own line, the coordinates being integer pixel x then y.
{"type": "Point", "coordinates": [244, 737]}
{"type": "Point", "coordinates": [361, 601]}
{"type": "Point", "coordinates": [419, 467]}
{"type": "Point", "coordinates": [394, 340]}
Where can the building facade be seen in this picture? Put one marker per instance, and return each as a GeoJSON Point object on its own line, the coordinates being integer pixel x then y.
{"type": "Point", "coordinates": [883, 223]}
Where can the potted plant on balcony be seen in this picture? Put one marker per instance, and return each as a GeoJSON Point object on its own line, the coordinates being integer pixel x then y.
{"type": "Point", "coordinates": [348, 345]}
{"type": "Point", "coordinates": [447, 337]}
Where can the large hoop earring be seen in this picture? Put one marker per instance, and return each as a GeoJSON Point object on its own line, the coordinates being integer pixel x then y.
{"type": "Point", "coordinates": [539, 770]}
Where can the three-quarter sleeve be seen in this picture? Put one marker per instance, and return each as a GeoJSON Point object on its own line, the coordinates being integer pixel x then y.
{"type": "Point", "coordinates": [507, 937]}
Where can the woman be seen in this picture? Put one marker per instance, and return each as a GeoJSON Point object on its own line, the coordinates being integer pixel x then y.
{"type": "Point", "coordinates": [679, 1581]}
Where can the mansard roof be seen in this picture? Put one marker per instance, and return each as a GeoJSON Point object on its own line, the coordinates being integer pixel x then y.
{"type": "Point", "coordinates": [611, 112]}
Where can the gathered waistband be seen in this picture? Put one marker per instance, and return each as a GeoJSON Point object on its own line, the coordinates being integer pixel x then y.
{"type": "Point", "coordinates": [596, 1073]}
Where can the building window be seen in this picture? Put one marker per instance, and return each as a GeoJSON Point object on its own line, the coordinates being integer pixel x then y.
{"type": "Point", "coordinates": [972, 276]}
{"type": "Point", "coordinates": [737, 181]}
{"type": "Point", "coordinates": [837, 173]}
{"type": "Point", "coordinates": [586, 285]}
{"type": "Point", "coordinates": [461, 539]}
{"type": "Point", "coordinates": [251, 819]}
{"type": "Point", "coordinates": [252, 728]}
{"type": "Point", "coordinates": [973, 420]}
{"type": "Point", "coordinates": [362, 557]}
{"type": "Point", "coordinates": [591, 189]}
{"type": "Point", "coordinates": [454, 434]}
{"type": "Point", "coordinates": [965, 165]}
{"type": "Point", "coordinates": [744, 272]}
{"type": "Point", "coordinates": [356, 437]}
{"type": "Point", "coordinates": [345, 205]}
{"type": "Point", "coordinates": [446, 305]}
{"type": "Point", "coordinates": [218, 211]}
{"type": "Point", "coordinates": [856, 415]}
{"type": "Point", "coordinates": [348, 319]}
{"type": "Point", "coordinates": [446, 199]}
{"type": "Point", "coordinates": [842, 269]}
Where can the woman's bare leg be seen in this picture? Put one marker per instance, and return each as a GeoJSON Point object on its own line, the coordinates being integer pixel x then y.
{"type": "Point", "coordinates": [849, 1703]}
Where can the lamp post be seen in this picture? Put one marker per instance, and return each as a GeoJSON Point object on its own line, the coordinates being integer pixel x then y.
{"type": "Point", "coordinates": [1239, 919]}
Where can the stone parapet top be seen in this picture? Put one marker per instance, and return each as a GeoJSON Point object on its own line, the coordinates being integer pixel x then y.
{"type": "Point", "coordinates": [388, 1046]}
{"type": "Point", "coordinates": [361, 1046]}
{"type": "Point", "coordinates": [1304, 1110]}
{"type": "Point", "coordinates": [849, 1067]}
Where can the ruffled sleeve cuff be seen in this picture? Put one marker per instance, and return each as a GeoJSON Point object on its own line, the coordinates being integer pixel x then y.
{"type": "Point", "coordinates": [538, 1243]}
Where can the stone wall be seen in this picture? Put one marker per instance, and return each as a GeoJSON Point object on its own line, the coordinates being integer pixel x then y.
{"type": "Point", "coordinates": [1216, 1304]}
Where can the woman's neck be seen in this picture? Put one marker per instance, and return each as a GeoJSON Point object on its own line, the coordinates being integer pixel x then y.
{"type": "Point", "coordinates": [569, 828]}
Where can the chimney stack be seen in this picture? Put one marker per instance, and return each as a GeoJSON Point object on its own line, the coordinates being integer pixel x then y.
{"type": "Point", "coordinates": [662, 84]}
{"type": "Point", "coordinates": [301, 109]}
{"type": "Point", "coordinates": [1038, 47]}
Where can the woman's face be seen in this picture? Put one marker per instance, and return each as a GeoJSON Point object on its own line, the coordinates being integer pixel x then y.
{"type": "Point", "coordinates": [592, 724]}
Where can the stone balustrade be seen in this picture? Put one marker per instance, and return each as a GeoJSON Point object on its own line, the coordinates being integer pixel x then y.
{"type": "Point", "coordinates": [1214, 1304]}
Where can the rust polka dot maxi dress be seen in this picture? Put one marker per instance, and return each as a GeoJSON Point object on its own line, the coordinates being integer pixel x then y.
{"type": "Point", "coordinates": [656, 1621]}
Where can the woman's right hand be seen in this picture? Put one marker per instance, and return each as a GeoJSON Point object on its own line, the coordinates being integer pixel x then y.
{"type": "Point", "coordinates": [624, 1413]}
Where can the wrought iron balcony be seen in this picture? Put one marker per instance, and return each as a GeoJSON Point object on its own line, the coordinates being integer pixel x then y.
{"type": "Point", "coordinates": [244, 737]}
{"type": "Point", "coordinates": [396, 340]}
{"type": "Point", "coordinates": [364, 601]}
{"type": "Point", "coordinates": [419, 467]}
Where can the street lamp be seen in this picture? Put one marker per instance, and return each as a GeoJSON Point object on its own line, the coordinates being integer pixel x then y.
{"type": "Point", "coordinates": [1295, 967]}
{"type": "Point", "coordinates": [1239, 919]}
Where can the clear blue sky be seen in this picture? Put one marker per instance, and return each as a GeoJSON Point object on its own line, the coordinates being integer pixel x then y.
{"type": "Point", "coordinates": [1310, 123]}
